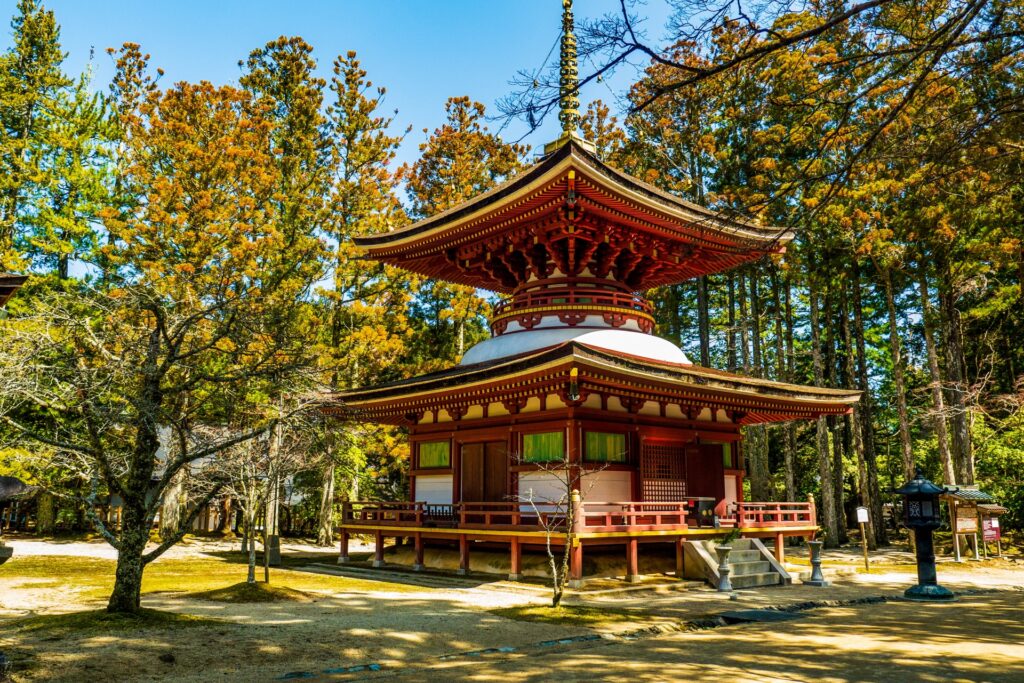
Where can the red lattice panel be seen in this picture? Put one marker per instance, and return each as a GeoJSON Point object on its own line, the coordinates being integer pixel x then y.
{"type": "Point", "coordinates": [663, 471]}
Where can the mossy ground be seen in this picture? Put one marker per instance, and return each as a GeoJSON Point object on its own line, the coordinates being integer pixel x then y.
{"type": "Point", "coordinates": [252, 592]}
{"type": "Point", "coordinates": [101, 621]}
{"type": "Point", "coordinates": [598, 618]}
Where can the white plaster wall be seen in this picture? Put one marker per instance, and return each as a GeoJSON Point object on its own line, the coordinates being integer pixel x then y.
{"type": "Point", "coordinates": [546, 487]}
{"type": "Point", "coordinates": [434, 488]}
{"type": "Point", "coordinates": [549, 489]}
{"type": "Point", "coordinates": [607, 486]}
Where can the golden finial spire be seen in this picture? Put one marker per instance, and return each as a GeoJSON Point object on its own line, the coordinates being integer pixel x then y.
{"type": "Point", "coordinates": [569, 102]}
{"type": "Point", "coordinates": [568, 87]}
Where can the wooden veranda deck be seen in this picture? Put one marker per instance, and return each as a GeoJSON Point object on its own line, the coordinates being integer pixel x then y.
{"type": "Point", "coordinates": [594, 523]}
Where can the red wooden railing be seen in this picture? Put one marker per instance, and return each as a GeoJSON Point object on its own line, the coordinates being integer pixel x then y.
{"type": "Point", "coordinates": [571, 297]}
{"type": "Point", "coordinates": [774, 514]}
{"type": "Point", "coordinates": [593, 516]}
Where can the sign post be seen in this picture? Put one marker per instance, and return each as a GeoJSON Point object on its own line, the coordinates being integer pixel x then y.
{"type": "Point", "coordinates": [862, 519]}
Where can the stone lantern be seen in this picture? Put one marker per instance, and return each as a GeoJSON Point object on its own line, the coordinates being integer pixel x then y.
{"type": "Point", "coordinates": [921, 515]}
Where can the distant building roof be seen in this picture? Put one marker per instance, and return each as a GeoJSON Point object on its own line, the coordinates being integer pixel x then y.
{"type": "Point", "coordinates": [971, 494]}
{"type": "Point", "coordinates": [9, 284]}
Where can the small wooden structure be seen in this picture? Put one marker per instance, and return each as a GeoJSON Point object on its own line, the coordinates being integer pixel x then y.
{"type": "Point", "coordinates": [974, 521]}
{"type": "Point", "coordinates": [574, 420]}
{"type": "Point", "coordinates": [9, 284]}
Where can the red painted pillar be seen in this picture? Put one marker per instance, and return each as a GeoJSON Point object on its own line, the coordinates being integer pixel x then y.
{"type": "Point", "coordinates": [463, 555]}
{"type": "Point", "coordinates": [632, 573]}
{"type": "Point", "coordinates": [680, 568]}
{"type": "Point", "coordinates": [418, 543]}
{"type": "Point", "coordinates": [780, 547]}
{"type": "Point", "coordinates": [576, 564]}
{"type": "Point", "coordinates": [343, 549]}
{"type": "Point", "coordinates": [515, 560]}
{"type": "Point", "coordinates": [378, 549]}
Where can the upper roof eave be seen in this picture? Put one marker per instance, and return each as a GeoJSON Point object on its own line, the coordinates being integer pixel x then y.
{"type": "Point", "coordinates": [550, 167]}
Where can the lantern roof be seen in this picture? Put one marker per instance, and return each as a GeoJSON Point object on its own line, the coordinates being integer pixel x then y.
{"type": "Point", "coordinates": [920, 486]}
{"type": "Point", "coordinates": [9, 284]}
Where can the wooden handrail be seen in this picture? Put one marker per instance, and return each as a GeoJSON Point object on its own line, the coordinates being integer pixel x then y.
{"type": "Point", "coordinates": [591, 516]}
{"type": "Point", "coordinates": [774, 514]}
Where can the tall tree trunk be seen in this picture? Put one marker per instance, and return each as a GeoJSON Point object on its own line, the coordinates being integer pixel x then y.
{"type": "Point", "coordinates": [325, 527]}
{"type": "Point", "coordinates": [126, 597]}
{"type": "Point", "coordinates": [959, 421]}
{"type": "Point", "coordinates": [828, 506]}
{"type": "Point", "coordinates": [790, 375]}
{"type": "Point", "coordinates": [703, 321]}
{"type": "Point", "coordinates": [898, 372]}
{"type": "Point", "coordinates": [782, 376]}
{"type": "Point", "coordinates": [837, 427]}
{"type": "Point", "coordinates": [873, 498]}
{"type": "Point", "coordinates": [760, 479]}
{"type": "Point", "coordinates": [730, 337]}
{"type": "Point", "coordinates": [938, 398]}
{"type": "Point", "coordinates": [744, 325]}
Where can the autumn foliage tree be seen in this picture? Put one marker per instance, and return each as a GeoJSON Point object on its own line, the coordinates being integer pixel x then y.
{"type": "Point", "coordinates": [206, 298]}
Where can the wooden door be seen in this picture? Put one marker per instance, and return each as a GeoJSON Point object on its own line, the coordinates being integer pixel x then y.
{"type": "Point", "coordinates": [495, 471]}
{"type": "Point", "coordinates": [484, 472]}
{"type": "Point", "coordinates": [705, 473]}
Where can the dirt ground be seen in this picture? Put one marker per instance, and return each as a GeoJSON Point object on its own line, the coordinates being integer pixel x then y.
{"type": "Point", "coordinates": [364, 625]}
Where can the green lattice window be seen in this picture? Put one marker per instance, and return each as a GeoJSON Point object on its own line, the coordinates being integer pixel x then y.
{"type": "Point", "coordinates": [544, 447]}
{"type": "Point", "coordinates": [605, 447]}
{"type": "Point", "coordinates": [435, 454]}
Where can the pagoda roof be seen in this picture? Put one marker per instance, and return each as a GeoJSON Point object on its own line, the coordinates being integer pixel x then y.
{"type": "Point", "coordinates": [751, 400]}
{"type": "Point", "coordinates": [672, 239]}
{"type": "Point", "coordinates": [9, 284]}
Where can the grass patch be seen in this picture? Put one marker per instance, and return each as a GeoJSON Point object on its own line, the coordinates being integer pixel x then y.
{"type": "Point", "coordinates": [105, 622]}
{"type": "Point", "coordinates": [252, 592]}
{"type": "Point", "coordinates": [89, 579]}
{"type": "Point", "coordinates": [572, 615]}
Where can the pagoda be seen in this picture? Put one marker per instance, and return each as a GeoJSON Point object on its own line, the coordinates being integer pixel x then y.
{"type": "Point", "coordinates": [574, 389]}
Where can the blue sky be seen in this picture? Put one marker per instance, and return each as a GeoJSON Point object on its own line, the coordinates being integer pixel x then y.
{"type": "Point", "coordinates": [422, 51]}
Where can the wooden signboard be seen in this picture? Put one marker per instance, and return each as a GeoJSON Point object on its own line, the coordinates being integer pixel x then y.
{"type": "Point", "coordinates": [990, 529]}
{"type": "Point", "coordinates": [966, 520]}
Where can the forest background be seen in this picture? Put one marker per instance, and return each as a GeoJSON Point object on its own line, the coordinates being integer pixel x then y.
{"type": "Point", "coordinates": [193, 275]}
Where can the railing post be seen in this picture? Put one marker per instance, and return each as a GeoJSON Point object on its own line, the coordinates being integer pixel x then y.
{"type": "Point", "coordinates": [576, 512]}
{"type": "Point", "coordinates": [573, 539]}
{"type": "Point", "coordinates": [812, 510]}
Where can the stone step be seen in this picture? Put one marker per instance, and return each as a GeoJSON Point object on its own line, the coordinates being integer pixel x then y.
{"type": "Point", "coordinates": [744, 568]}
{"type": "Point", "coordinates": [741, 556]}
{"type": "Point", "coordinates": [755, 580]}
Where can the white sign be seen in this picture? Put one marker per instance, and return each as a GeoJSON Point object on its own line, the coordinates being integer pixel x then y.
{"type": "Point", "coordinates": [862, 515]}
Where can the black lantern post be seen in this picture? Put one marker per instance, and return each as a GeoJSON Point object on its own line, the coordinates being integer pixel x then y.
{"type": "Point", "coordinates": [921, 515]}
